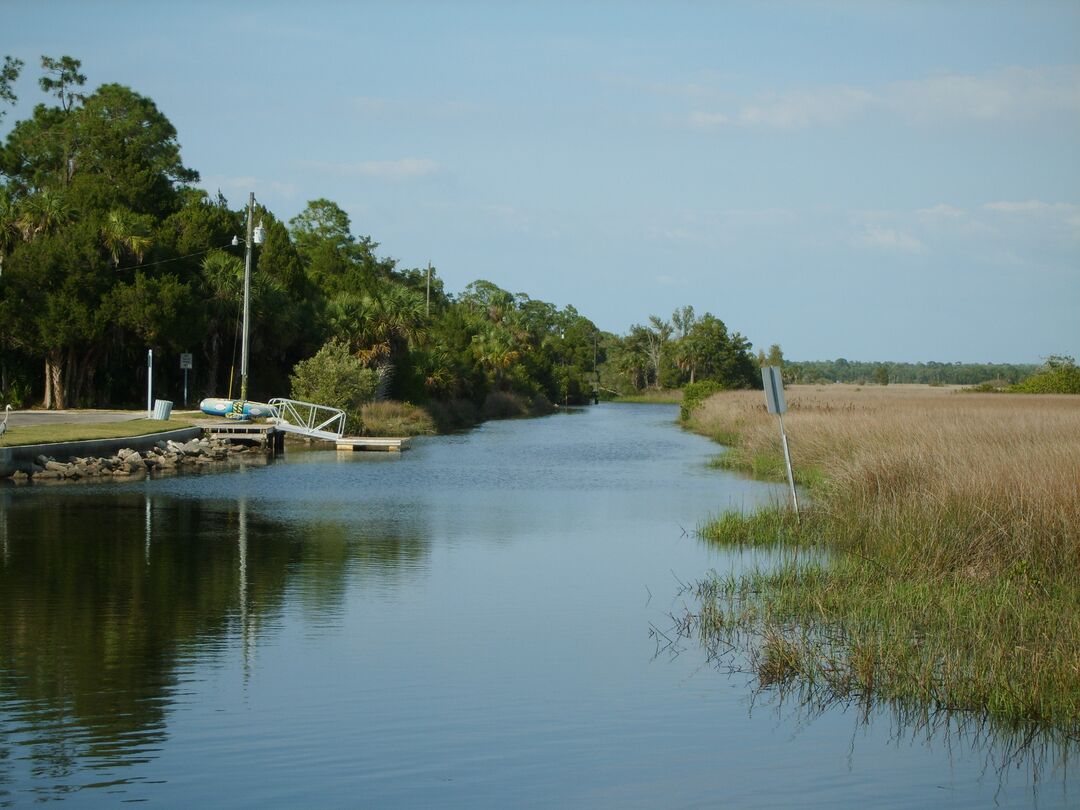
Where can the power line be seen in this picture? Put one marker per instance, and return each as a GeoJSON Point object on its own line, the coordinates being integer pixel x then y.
{"type": "Point", "coordinates": [177, 258]}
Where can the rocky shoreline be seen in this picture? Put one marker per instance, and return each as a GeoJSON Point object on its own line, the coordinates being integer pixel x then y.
{"type": "Point", "coordinates": [165, 455]}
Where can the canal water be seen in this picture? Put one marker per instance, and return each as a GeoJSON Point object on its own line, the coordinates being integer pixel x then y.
{"type": "Point", "coordinates": [471, 623]}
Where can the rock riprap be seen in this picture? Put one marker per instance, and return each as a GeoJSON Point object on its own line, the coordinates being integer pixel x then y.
{"type": "Point", "coordinates": [165, 455]}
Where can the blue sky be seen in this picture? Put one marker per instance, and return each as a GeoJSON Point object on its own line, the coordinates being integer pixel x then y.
{"type": "Point", "coordinates": [872, 180]}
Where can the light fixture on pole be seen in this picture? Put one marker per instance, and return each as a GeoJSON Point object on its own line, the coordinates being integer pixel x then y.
{"type": "Point", "coordinates": [255, 235]}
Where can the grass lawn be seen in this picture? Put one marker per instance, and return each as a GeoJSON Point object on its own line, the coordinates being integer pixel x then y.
{"type": "Point", "coordinates": [48, 434]}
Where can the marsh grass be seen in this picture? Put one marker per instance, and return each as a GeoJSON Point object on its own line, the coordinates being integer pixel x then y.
{"type": "Point", "coordinates": [391, 418]}
{"type": "Point", "coordinates": [952, 526]}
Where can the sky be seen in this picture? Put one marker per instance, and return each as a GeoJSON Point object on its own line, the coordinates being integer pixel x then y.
{"type": "Point", "coordinates": [870, 180]}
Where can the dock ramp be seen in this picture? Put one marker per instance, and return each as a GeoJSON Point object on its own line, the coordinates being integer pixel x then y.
{"type": "Point", "coordinates": [308, 419]}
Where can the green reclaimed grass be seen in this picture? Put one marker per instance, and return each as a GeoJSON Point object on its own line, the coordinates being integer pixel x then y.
{"type": "Point", "coordinates": [49, 434]}
{"type": "Point", "coordinates": [852, 629]}
{"type": "Point", "coordinates": [653, 397]}
{"type": "Point", "coordinates": [766, 527]}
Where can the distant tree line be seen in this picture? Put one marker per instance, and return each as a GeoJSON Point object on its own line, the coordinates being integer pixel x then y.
{"type": "Point", "coordinates": [929, 373]}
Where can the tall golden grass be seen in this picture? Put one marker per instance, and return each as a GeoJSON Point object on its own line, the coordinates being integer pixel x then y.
{"type": "Point", "coordinates": [954, 519]}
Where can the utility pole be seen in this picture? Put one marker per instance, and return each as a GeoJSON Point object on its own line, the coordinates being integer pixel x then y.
{"type": "Point", "coordinates": [247, 297]}
{"type": "Point", "coordinates": [427, 303]}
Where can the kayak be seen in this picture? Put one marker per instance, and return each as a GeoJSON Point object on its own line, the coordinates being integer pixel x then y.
{"type": "Point", "coordinates": [239, 409]}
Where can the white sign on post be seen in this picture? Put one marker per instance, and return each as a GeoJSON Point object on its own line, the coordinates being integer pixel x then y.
{"type": "Point", "coordinates": [774, 401]}
{"type": "Point", "coordinates": [185, 360]}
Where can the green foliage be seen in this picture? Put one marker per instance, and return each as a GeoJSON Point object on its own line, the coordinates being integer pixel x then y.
{"type": "Point", "coordinates": [8, 74]}
{"type": "Point", "coordinates": [696, 393]}
{"type": "Point", "coordinates": [335, 377]}
{"type": "Point", "coordinates": [1059, 375]}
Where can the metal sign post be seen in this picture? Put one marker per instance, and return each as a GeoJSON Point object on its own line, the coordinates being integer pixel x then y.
{"type": "Point", "coordinates": [149, 383]}
{"type": "Point", "coordinates": [185, 364]}
{"type": "Point", "coordinates": [774, 400]}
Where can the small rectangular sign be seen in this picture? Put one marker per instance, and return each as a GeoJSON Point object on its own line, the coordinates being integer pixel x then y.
{"type": "Point", "coordinates": [185, 360]}
{"type": "Point", "coordinates": [774, 389]}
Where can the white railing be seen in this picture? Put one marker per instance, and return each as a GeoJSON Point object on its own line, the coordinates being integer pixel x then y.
{"type": "Point", "coordinates": [308, 419]}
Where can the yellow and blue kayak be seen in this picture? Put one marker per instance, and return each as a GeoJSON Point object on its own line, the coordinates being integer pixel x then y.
{"type": "Point", "coordinates": [239, 409]}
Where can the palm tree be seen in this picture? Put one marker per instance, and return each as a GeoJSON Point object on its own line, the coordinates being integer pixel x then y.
{"type": "Point", "coordinates": [125, 232]}
{"type": "Point", "coordinates": [223, 276]}
{"type": "Point", "coordinates": [495, 350]}
{"type": "Point", "coordinates": [381, 324]}
{"type": "Point", "coordinates": [43, 213]}
{"type": "Point", "coordinates": [9, 227]}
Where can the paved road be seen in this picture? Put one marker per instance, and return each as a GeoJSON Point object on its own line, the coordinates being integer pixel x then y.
{"type": "Point", "coordinates": [24, 418]}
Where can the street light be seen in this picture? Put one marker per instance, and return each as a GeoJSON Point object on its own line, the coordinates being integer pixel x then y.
{"type": "Point", "coordinates": [256, 235]}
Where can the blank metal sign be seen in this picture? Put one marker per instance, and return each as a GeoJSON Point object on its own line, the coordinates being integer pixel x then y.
{"type": "Point", "coordinates": [774, 389]}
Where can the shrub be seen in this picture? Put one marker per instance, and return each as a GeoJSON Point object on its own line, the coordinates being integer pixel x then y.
{"type": "Point", "coordinates": [696, 393]}
{"type": "Point", "coordinates": [1060, 375]}
{"type": "Point", "coordinates": [337, 378]}
{"type": "Point", "coordinates": [504, 405]}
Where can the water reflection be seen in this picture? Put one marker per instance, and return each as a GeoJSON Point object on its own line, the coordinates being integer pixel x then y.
{"type": "Point", "coordinates": [105, 600]}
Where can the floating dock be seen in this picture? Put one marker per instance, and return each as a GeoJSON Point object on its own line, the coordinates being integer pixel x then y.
{"type": "Point", "coordinates": [354, 443]}
{"type": "Point", "coordinates": [273, 437]}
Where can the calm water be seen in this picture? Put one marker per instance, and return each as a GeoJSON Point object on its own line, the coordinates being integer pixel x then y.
{"type": "Point", "coordinates": [466, 624]}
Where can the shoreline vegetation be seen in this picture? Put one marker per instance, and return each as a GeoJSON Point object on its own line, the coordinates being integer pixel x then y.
{"type": "Point", "coordinates": [936, 565]}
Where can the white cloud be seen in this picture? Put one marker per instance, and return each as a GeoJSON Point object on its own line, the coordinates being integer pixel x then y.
{"type": "Point", "coordinates": [401, 169]}
{"type": "Point", "coordinates": [246, 183]}
{"type": "Point", "coordinates": [1061, 216]}
{"type": "Point", "coordinates": [708, 120]}
{"type": "Point", "coordinates": [374, 106]}
{"type": "Point", "coordinates": [1024, 206]}
{"type": "Point", "coordinates": [1012, 93]}
{"type": "Point", "coordinates": [827, 105]}
{"type": "Point", "coordinates": [1009, 93]}
{"type": "Point", "coordinates": [876, 237]}
{"type": "Point", "coordinates": [942, 211]}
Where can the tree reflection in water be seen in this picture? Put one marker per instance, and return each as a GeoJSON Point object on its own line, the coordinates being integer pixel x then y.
{"type": "Point", "coordinates": [106, 599]}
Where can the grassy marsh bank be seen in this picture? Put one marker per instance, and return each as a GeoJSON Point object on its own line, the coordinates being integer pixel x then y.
{"type": "Point", "coordinates": [953, 530]}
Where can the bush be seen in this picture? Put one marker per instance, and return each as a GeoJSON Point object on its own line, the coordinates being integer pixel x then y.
{"type": "Point", "coordinates": [696, 393]}
{"type": "Point", "coordinates": [1060, 375]}
{"type": "Point", "coordinates": [504, 405]}
{"type": "Point", "coordinates": [336, 378]}
{"type": "Point", "coordinates": [453, 414]}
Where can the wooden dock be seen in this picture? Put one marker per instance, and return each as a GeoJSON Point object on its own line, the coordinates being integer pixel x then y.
{"type": "Point", "coordinates": [262, 434]}
{"type": "Point", "coordinates": [354, 443]}
{"type": "Point", "coordinates": [269, 436]}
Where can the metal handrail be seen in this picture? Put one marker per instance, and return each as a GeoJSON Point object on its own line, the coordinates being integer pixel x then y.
{"type": "Point", "coordinates": [303, 417]}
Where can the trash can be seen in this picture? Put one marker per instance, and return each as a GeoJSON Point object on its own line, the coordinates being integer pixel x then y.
{"type": "Point", "coordinates": [162, 409]}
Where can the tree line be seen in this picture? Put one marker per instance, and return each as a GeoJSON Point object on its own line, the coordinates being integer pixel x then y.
{"type": "Point", "coordinates": [107, 249]}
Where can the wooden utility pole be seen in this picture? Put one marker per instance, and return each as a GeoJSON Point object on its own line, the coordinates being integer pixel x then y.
{"type": "Point", "coordinates": [427, 303]}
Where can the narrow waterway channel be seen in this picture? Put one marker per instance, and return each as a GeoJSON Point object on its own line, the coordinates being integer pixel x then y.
{"type": "Point", "coordinates": [467, 624]}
